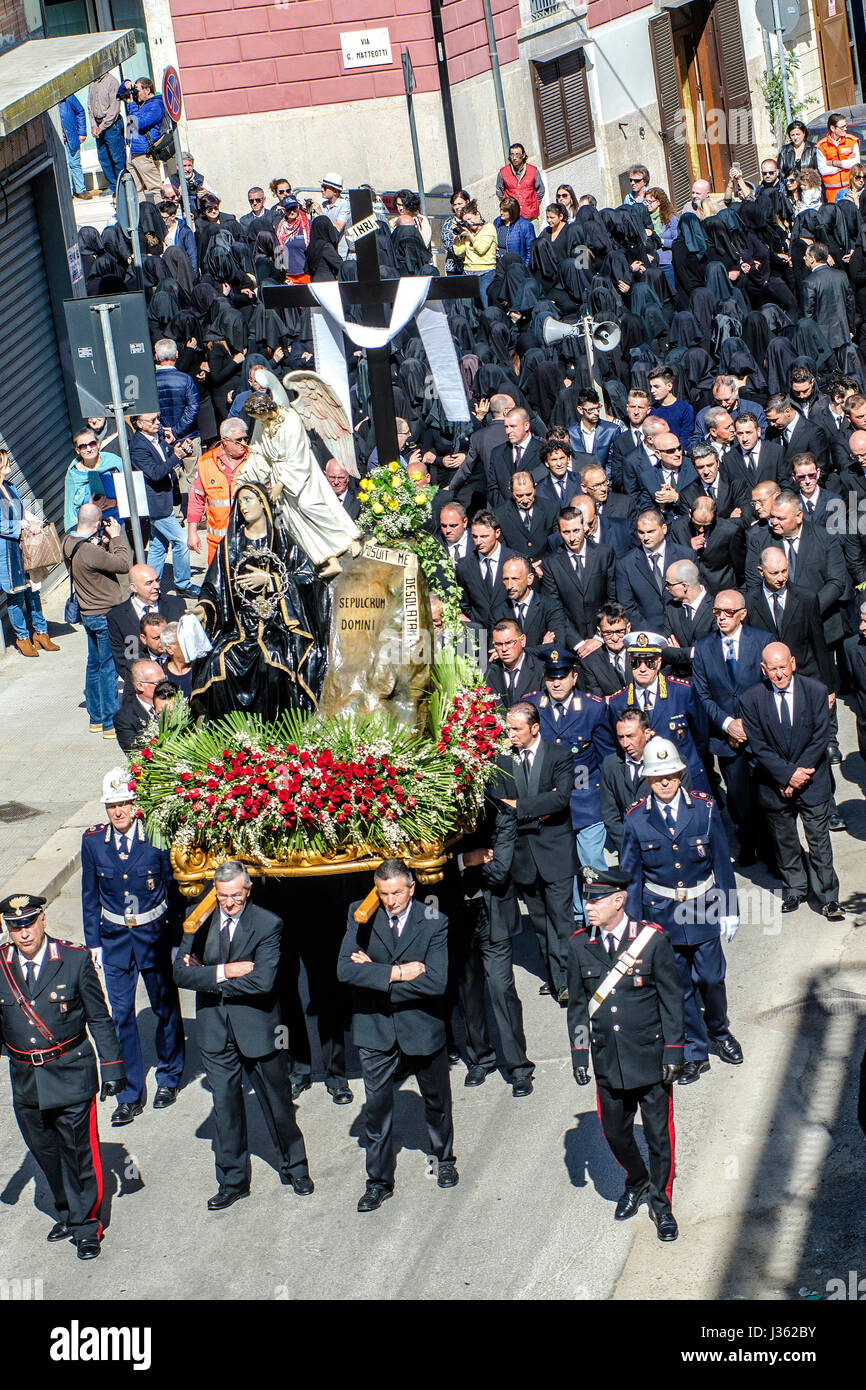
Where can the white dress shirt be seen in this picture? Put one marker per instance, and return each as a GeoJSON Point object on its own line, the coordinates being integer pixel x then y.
{"type": "Point", "coordinates": [401, 921]}
{"type": "Point", "coordinates": [36, 960]}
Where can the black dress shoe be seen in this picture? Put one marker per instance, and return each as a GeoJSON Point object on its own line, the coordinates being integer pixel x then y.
{"type": "Point", "coordinates": [87, 1249]}
{"type": "Point", "coordinates": [453, 1056]}
{"type": "Point", "coordinates": [791, 902]}
{"type": "Point", "coordinates": [165, 1096]}
{"type": "Point", "coordinates": [340, 1093]}
{"type": "Point", "coordinates": [301, 1184]}
{"type": "Point", "coordinates": [124, 1115]}
{"type": "Point", "coordinates": [476, 1076]}
{"type": "Point", "coordinates": [630, 1201]}
{"type": "Point", "coordinates": [299, 1087]}
{"type": "Point", "coordinates": [448, 1175]}
{"type": "Point", "coordinates": [221, 1201]}
{"type": "Point", "coordinates": [59, 1231]}
{"type": "Point", "coordinates": [837, 821]}
{"type": "Point", "coordinates": [691, 1071]}
{"type": "Point", "coordinates": [666, 1226]}
{"type": "Point", "coordinates": [544, 989]}
{"type": "Point", "coordinates": [729, 1050]}
{"type": "Point", "coordinates": [833, 912]}
{"type": "Point", "coordinates": [834, 756]}
{"type": "Point", "coordinates": [374, 1196]}
{"type": "Point", "coordinates": [562, 997]}
{"type": "Point", "coordinates": [521, 1086]}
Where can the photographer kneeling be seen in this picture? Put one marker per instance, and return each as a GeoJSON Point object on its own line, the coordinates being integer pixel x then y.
{"type": "Point", "coordinates": [475, 245]}
{"type": "Point", "coordinates": [95, 553]}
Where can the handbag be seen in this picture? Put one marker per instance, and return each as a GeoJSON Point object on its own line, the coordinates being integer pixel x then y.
{"type": "Point", "coordinates": [41, 549]}
{"type": "Point", "coordinates": [72, 609]}
{"type": "Point", "coordinates": [162, 148]}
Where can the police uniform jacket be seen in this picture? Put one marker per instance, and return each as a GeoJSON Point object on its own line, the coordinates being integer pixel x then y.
{"type": "Point", "coordinates": [408, 1014]}
{"type": "Point", "coordinates": [696, 852]}
{"type": "Point", "coordinates": [584, 729]}
{"type": "Point", "coordinates": [677, 714]}
{"type": "Point", "coordinates": [132, 888]}
{"type": "Point", "coordinates": [639, 1027]}
{"type": "Point", "coordinates": [68, 1001]}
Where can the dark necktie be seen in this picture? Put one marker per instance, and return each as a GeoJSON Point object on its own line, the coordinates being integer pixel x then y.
{"type": "Point", "coordinates": [225, 942]}
{"type": "Point", "coordinates": [785, 716]}
{"type": "Point", "coordinates": [792, 561]}
{"type": "Point", "coordinates": [647, 701]}
{"type": "Point", "coordinates": [526, 516]}
{"type": "Point", "coordinates": [30, 977]}
{"type": "Point", "coordinates": [810, 508]}
{"type": "Point", "coordinates": [520, 612]}
{"type": "Point", "coordinates": [655, 560]}
{"type": "Point", "coordinates": [558, 709]}
{"type": "Point", "coordinates": [669, 820]}
{"type": "Point", "coordinates": [488, 574]}
{"type": "Point", "coordinates": [619, 665]}
{"type": "Point", "coordinates": [730, 657]}
{"type": "Point", "coordinates": [751, 465]}
{"type": "Point", "coordinates": [394, 919]}
{"type": "Point", "coordinates": [611, 946]}
{"type": "Point", "coordinates": [778, 611]}
{"type": "Point", "coordinates": [632, 771]}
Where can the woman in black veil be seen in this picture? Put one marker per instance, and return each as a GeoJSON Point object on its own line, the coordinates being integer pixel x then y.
{"type": "Point", "coordinates": [266, 614]}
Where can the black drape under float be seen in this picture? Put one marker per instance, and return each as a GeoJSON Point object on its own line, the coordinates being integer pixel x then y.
{"type": "Point", "coordinates": [269, 649]}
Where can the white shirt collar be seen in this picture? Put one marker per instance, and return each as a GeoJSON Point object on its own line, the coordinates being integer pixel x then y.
{"type": "Point", "coordinates": [617, 932]}
{"type": "Point", "coordinates": [402, 919]}
{"type": "Point", "coordinates": [735, 638]}
{"type": "Point", "coordinates": [674, 805]}
{"type": "Point", "coordinates": [36, 960]}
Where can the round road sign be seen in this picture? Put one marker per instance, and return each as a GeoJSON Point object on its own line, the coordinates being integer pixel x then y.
{"type": "Point", "coordinates": [171, 93]}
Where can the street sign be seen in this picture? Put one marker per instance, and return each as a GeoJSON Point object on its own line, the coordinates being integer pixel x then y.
{"type": "Point", "coordinates": [408, 71]}
{"type": "Point", "coordinates": [132, 349]}
{"type": "Point", "coordinates": [126, 203]}
{"type": "Point", "coordinates": [171, 93]}
{"type": "Point", "coordinates": [789, 15]}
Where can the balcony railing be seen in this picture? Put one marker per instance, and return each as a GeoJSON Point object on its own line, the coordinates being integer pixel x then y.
{"type": "Point", "coordinates": [543, 9]}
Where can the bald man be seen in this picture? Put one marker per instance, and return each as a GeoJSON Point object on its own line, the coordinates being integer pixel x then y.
{"type": "Point", "coordinates": [124, 618]}
{"type": "Point", "coordinates": [787, 723]}
{"type": "Point", "coordinates": [661, 487]}
{"type": "Point", "coordinates": [689, 608]}
{"type": "Point", "coordinates": [136, 709]}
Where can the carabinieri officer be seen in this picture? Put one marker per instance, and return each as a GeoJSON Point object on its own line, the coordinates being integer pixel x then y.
{"type": "Point", "coordinates": [625, 1001]}
{"type": "Point", "coordinates": [674, 710]}
{"type": "Point", "coordinates": [127, 892]}
{"type": "Point", "coordinates": [675, 853]}
{"type": "Point", "coordinates": [50, 996]}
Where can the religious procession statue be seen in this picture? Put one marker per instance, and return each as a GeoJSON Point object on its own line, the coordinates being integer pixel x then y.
{"type": "Point", "coordinates": [267, 616]}
{"type": "Point", "coordinates": [281, 459]}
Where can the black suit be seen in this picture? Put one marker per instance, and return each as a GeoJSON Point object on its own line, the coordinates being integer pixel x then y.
{"type": "Point", "coordinates": [481, 603]}
{"type": "Point", "coordinates": [688, 628]}
{"type": "Point", "coordinates": [532, 540]}
{"type": "Point", "coordinates": [396, 1020]}
{"type": "Point", "coordinates": [237, 1023]}
{"type": "Point", "coordinates": [635, 463]}
{"type": "Point", "coordinates": [123, 629]}
{"type": "Point", "coordinates": [580, 590]}
{"type": "Point", "coordinates": [349, 500]}
{"type": "Point", "coordinates": [484, 917]}
{"type": "Point", "coordinates": [800, 629]}
{"type": "Point", "coordinates": [544, 614]}
{"type": "Point", "coordinates": [820, 569]}
{"type": "Point", "coordinates": [778, 757]}
{"type": "Point", "coordinates": [642, 596]}
{"type": "Point", "coordinates": [855, 662]}
{"type": "Point", "coordinates": [722, 562]}
{"type": "Point", "coordinates": [806, 437]}
{"type": "Point", "coordinates": [598, 674]}
{"type": "Point", "coordinates": [130, 721]}
{"type": "Point", "coordinates": [570, 486]}
{"type": "Point", "coordinates": [622, 450]}
{"type": "Point", "coordinates": [768, 468]}
{"type": "Point", "coordinates": [529, 679]}
{"type": "Point", "coordinates": [731, 488]}
{"type": "Point", "coordinates": [829, 299]}
{"type": "Point", "coordinates": [545, 855]}
{"type": "Point", "coordinates": [470, 479]}
{"type": "Point", "coordinates": [501, 469]}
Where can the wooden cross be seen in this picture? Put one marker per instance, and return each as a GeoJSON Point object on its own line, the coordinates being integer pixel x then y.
{"type": "Point", "coordinates": [373, 294]}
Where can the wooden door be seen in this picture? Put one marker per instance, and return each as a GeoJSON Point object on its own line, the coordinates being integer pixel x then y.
{"type": "Point", "coordinates": [834, 53]}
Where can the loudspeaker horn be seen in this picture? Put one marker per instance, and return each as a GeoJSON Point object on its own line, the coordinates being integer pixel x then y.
{"type": "Point", "coordinates": [553, 331]}
{"type": "Point", "coordinates": [606, 336]}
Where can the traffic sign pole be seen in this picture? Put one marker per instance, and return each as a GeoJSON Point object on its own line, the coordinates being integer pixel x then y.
{"type": "Point", "coordinates": [172, 98]}
{"type": "Point", "coordinates": [409, 85]}
{"type": "Point", "coordinates": [104, 312]}
{"type": "Point", "coordinates": [786, 96]}
{"type": "Point", "coordinates": [184, 191]}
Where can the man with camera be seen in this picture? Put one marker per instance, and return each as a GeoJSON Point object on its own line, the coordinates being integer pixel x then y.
{"type": "Point", "coordinates": [96, 552]}
{"type": "Point", "coordinates": [145, 113]}
{"type": "Point", "coordinates": [160, 457]}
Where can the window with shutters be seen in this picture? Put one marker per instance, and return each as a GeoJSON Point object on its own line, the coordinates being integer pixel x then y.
{"type": "Point", "coordinates": [562, 107]}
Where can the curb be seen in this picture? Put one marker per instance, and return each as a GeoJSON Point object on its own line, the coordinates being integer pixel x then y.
{"type": "Point", "coordinates": [47, 871]}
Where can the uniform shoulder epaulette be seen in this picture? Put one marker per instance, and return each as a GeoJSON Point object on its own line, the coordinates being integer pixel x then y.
{"type": "Point", "coordinates": [73, 945]}
{"type": "Point", "coordinates": [635, 805]}
{"type": "Point", "coordinates": [676, 680]}
{"type": "Point", "coordinates": [578, 932]}
{"type": "Point", "coordinates": [530, 694]}
{"type": "Point", "coordinates": [655, 926]}
{"type": "Point", "coordinates": [597, 698]}
{"type": "Point", "coordinates": [702, 796]}
{"type": "Point", "coordinates": [92, 829]}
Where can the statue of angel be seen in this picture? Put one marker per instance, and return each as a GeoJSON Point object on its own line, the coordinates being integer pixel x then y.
{"type": "Point", "coordinates": [281, 459]}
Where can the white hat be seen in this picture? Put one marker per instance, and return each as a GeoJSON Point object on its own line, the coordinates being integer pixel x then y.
{"type": "Point", "coordinates": [192, 638]}
{"type": "Point", "coordinates": [333, 181]}
{"type": "Point", "coordinates": [661, 757]}
{"type": "Point", "coordinates": [646, 641]}
{"type": "Point", "coordinates": [115, 786]}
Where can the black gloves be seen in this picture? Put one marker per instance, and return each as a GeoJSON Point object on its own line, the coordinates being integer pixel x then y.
{"type": "Point", "coordinates": [112, 1088]}
{"type": "Point", "coordinates": [670, 1072]}
{"type": "Point", "coordinates": [581, 1076]}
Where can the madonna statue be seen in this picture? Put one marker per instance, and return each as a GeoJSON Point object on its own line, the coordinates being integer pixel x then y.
{"type": "Point", "coordinates": [266, 614]}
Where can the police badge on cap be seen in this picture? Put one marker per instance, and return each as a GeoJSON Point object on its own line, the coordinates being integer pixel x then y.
{"type": "Point", "coordinates": [600, 883]}
{"type": "Point", "coordinates": [20, 909]}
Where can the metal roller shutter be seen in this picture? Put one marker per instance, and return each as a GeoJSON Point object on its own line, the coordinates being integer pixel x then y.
{"type": "Point", "coordinates": [670, 108]}
{"type": "Point", "coordinates": [736, 94]}
{"type": "Point", "coordinates": [34, 420]}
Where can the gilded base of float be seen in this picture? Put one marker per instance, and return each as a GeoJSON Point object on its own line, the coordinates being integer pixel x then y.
{"type": "Point", "coordinates": [194, 868]}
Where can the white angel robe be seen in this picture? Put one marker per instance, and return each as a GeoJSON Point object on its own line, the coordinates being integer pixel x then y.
{"type": "Point", "coordinates": [280, 453]}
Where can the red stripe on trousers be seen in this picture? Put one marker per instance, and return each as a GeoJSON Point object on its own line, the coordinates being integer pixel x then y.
{"type": "Point", "coordinates": [673, 1138]}
{"type": "Point", "coordinates": [96, 1158]}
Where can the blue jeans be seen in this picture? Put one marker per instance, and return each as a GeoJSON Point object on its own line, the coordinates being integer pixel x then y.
{"type": "Point", "coordinates": [100, 678]}
{"type": "Point", "coordinates": [167, 531]}
{"type": "Point", "coordinates": [483, 282]}
{"type": "Point", "coordinates": [18, 605]}
{"type": "Point", "coordinates": [73, 164]}
{"type": "Point", "coordinates": [590, 851]}
{"type": "Point", "coordinates": [111, 153]}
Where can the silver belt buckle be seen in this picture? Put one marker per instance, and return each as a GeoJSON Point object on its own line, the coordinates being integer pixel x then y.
{"type": "Point", "coordinates": [129, 919]}
{"type": "Point", "coordinates": [681, 895]}
{"type": "Point", "coordinates": [41, 1057]}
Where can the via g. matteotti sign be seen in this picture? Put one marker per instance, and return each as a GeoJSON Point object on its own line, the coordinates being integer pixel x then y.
{"type": "Point", "coordinates": [366, 48]}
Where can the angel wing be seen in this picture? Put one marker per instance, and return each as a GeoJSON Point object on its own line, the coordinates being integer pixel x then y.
{"type": "Point", "coordinates": [320, 409]}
